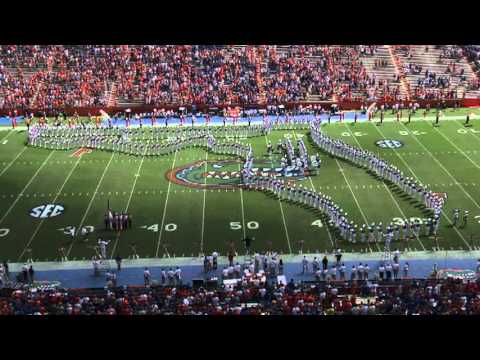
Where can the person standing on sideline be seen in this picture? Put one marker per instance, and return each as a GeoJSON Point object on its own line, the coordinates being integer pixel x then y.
{"type": "Point", "coordinates": [178, 276]}
{"type": "Point", "coordinates": [304, 265]}
{"type": "Point", "coordinates": [215, 261]}
{"type": "Point", "coordinates": [147, 276]}
{"type": "Point", "coordinates": [353, 274]}
{"type": "Point", "coordinates": [325, 262]}
{"type": "Point", "coordinates": [381, 271]}
{"type": "Point", "coordinates": [230, 258]}
{"type": "Point", "coordinates": [7, 272]}
{"type": "Point", "coordinates": [118, 260]}
{"type": "Point", "coordinates": [280, 267]}
{"type": "Point", "coordinates": [396, 269]}
{"type": "Point", "coordinates": [96, 266]}
{"type": "Point", "coordinates": [24, 273]}
{"type": "Point", "coordinates": [338, 256]}
{"type": "Point", "coordinates": [360, 271]}
{"type": "Point", "coordinates": [205, 264]}
{"type": "Point", "coordinates": [342, 271]}
{"type": "Point", "coordinates": [163, 277]}
{"type": "Point", "coordinates": [248, 243]}
{"type": "Point", "coordinates": [31, 273]}
{"type": "Point", "coordinates": [396, 256]}
{"type": "Point", "coordinates": [388, 270]}
{"type": "Point", "coordinates": [366, 269]}
{"type": "Point", "coordinates": [406, 267]}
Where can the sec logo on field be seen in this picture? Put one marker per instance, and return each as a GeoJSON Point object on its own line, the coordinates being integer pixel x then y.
{"type": "Point", "coordinates": [47, 211]}
{"type": "Point", "coordinates": [389, 144]}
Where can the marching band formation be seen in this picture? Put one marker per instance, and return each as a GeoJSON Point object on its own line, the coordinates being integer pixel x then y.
{"type": "Point", "coordinates": [154, 141]}
{"type": "Point", "coordinates": [383, 169]}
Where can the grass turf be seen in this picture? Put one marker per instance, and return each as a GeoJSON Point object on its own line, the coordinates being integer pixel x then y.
{"type": "Point", "coordinates": [173, 220]}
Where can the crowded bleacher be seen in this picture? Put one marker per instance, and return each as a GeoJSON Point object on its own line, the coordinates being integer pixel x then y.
{"type": "Point", "coordinates": [33, 76]}
{"type": "Point", "coordinates": [256, 297]}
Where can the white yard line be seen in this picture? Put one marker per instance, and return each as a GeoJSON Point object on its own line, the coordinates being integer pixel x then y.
{"type": "Point", "coordinates": [137, 175]}
{"type": "Point", "coordinates": [13, 161]}
{"type": "Point", "coordinates": [91, 202]}
{"type": "Point", "coordinates": [53, 201]}
{"type": "Point", "coordinates": [283, 215]}
{"type": "Point", "coordinates": [165, 207]}
{"type": "Point", "coordinates": [243, 209]}
{"type": "Point", "coordinates": [6, 136]}
{"type": "Point", "coordinates": [354, 198]}
{"type": "Point", "coordinates": [313, 187]}
{"type": "Point", "coordinates": [456, 182]}
{"type": "Point", "coordinates": [456, 147]}
{"type": "Point", "coordinates": [26, 186]}
{"type": "Point", "coordinates": [474, 134]}
{"type": "Point", "coordinates": [351, 190]}
{"type": "Point", "coordinates": [386, 188]}
{"type": "Point", "coordinates": [204, 200]}
{"type": "Point", "coordinates": [418, 179]}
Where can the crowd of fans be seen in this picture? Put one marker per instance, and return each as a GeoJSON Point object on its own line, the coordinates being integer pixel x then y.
{"type": "Point", "coordinates": [256, 296]}
{"type": "Point", "coordinates": [472, 53]}
{"type": "Point", "coordinates": [37, 76]}
{"type": "Point", "coordinates": [257, 287]}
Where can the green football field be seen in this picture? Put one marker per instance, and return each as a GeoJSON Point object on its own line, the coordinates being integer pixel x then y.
{"type": "Point", "coordinates": [170, 219]}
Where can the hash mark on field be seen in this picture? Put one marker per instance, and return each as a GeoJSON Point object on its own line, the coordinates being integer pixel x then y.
{"type": "Point", "coordinates": [26, 186]}
{"type": "Point", "coordinates": [203, 207]}
{"type": "Point", "coordinates": [13, 161]}
{"type": "Point", "coordinates": [130, 198]}
{"type": "Point", "coordinates": [446, 170]}
{"type": "Point", "coordinates": [165, 207]}
{"type": "Point", "coordinates": [91, 201]}
{"type": "Point", "coordinates": [281, 210]}
{"type": "Point", "coordinates": [418, 179]}
{"type": "Point", "coordinates": [54, 200]}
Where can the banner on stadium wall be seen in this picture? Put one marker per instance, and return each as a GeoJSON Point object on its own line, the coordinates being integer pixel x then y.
{"type": "Point", "coordinates": [461, 274]}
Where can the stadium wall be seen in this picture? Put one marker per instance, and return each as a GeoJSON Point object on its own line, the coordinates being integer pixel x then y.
{"type": "Point", "coordinates": [344, 105]}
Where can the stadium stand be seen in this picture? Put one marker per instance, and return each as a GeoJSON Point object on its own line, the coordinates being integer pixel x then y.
{"type": "Point", "coordinates": [97, 75]}
{"type": "Point", "coordinates": [256, 297]}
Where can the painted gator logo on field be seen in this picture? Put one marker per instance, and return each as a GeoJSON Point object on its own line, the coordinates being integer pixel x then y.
{"type": "Point", "coordinates": [226, 174]}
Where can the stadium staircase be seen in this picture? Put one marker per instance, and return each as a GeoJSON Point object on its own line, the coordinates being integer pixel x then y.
{"type": "Point", "coordinates": [398, 65]}
{"type": "Point", "coordinates": [260, 67]}
{"type": "Point", "coordinates": [111, 94]}
{"type": "Point", "coordinates": [386, 74]}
